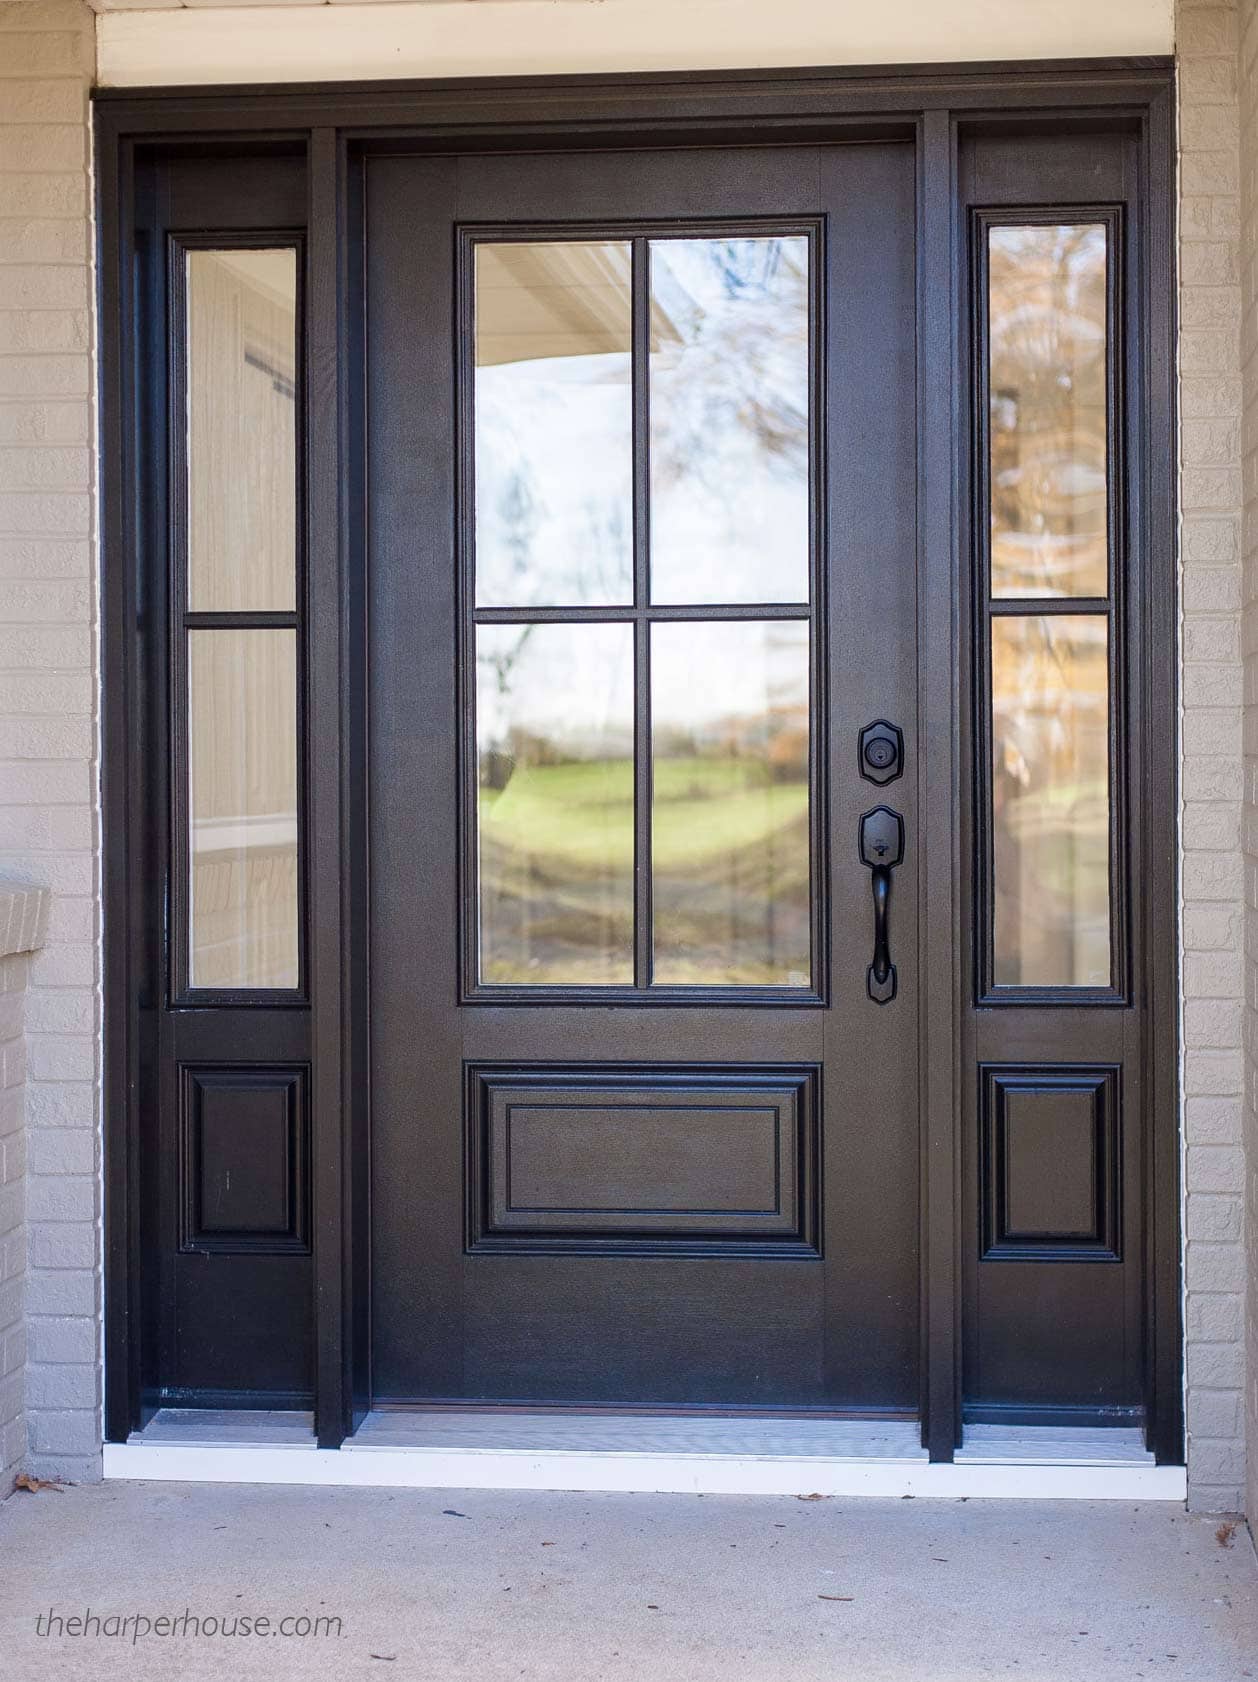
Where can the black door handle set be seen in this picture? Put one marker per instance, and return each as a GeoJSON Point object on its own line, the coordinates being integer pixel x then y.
{"type": "Point", "coordinates": [881, 848]}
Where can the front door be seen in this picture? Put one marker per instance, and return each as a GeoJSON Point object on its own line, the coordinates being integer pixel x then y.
{"type": "Point", "coordinates": [641, 440]}
{"type": "Point", "coordinates": [639, 767]}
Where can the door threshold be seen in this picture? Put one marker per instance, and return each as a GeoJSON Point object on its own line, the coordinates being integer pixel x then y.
{"type": "Point", "coordinates": [633, 1453]}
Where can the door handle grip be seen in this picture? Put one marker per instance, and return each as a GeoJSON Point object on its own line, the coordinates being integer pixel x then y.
{"type": "Point", "coordinates": [881, 848]}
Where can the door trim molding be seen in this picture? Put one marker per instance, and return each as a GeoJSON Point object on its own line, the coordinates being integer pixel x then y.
{"type": "Point", "coordinates": [333, 127]}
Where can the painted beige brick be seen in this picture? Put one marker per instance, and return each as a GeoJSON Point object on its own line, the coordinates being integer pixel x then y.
{"type": "Point", "coordinates": [44, 332]}
{"type": "Point", "coordinates": [54, 422]}
{"type": "Point", "coordinates": [45, 146]}
{"type": "Point", "coordinates": [1212, 928]}
{"type": "Point", "coordinates": [43, 286]}
{"type": "Point", "coordinates": [48, 689]}
{"type": "Point", "coordinates": [1205, 394]}
{"type": "Point", "coordinates": [45, 193]}
{"type": "Point", "coordinates": [1217, 479]}
{"type": "Point", "coordinates": [54, 101]}
{"type": "Point", "coordinates": [38, 55]}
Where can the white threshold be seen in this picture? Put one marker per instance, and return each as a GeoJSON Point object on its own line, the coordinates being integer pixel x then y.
{"type": "Point", "coordinates": [635, 1453]}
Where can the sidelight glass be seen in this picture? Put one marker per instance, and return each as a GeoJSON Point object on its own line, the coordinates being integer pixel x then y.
{"type": "Point", "coordinates": [553, 423]}
{"type": "Point", "coordinates": [729, 419]}
{"type": "Point", "coordinates": [241, 347]}
{"type": "Point", "coordinates": [242, 762]}
{"type": "Point", "coordinates": [1050, 800]}
{"type": "Point", "coordinates": [730, 803]}
{"type": "Point", "coordinates": [1047, 399]}
{"type": "Point", "coordinates": [555, 803]}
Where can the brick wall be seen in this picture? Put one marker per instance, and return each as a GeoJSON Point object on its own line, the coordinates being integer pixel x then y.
{"type": "Point", "coordinates": [23, 921]}
{"type": "Point", "coordinates": [1212, 782]}
{"type": "Point", "coordinates": [48, 690]}
{"type": "Point", "coordinates": [48, 686]}
{"type": "Point", "coordinates": [1248, 92]}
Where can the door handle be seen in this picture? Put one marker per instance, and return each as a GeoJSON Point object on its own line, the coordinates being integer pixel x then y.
{"type": "Point", "coordinates": [882, 848]}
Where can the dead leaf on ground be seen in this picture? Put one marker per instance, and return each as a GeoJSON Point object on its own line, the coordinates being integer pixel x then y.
{"type": "Point", "coordinates": [812, 1497]}
{"type": "Point", "coordinates": [1224, 1534]}
{"type": "Point", "coordinates": [24, 1480]}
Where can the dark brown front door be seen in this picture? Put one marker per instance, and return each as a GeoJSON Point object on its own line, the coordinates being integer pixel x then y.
{"type": "Point", "coordinates": [641, 440]}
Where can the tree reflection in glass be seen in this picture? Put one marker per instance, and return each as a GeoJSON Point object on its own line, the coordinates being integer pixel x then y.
{"type": "Point", "coordinates": [730, 824]}
{"type": "Point", "coordinates": [1047, 400]}
{"type": "Point", "coordinates": [554, 730]}
{"type": "Point", "coordinates": [1050, 800]}
{"type": "Point", "coordinates": [729, 420]}
{"type": "Point", "coordinates": [553, 405]}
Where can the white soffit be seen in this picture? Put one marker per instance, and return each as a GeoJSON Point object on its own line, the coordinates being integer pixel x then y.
{"type": "Point", "coordinates": [209, 43]}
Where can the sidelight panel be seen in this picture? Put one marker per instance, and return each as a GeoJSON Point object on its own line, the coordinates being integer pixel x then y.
{"type": "Point", "coordinates": [553, 423]}
{"type": "Point", "coordinates": [1048, 411]}
{"type": "Point", "coordinates": [555, 803]}
{"type": "Point", "coordinates": [1050, 800]}
{"type": "Point", "coordinates": [1049, 589]}
{"type": "Point", "coordinates": [242, 808]}
{"type": "Point", "coordinates": [241, 375]}
{"type": "Point", "coordinates": [730, 803]}
{"type": "Point", "coordinates": [729, 419]}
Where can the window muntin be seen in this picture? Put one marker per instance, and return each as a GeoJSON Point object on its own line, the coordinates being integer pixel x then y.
{"type": "Point", "coordinates": [596, 831]}
{"type": "Point", "coordinates": [1047, 582]}
{"type": "Point", "coordinates": [236, 623]}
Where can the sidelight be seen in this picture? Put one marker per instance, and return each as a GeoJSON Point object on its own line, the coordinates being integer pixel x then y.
{"type": "Point", "coordinates": [242, 430]}
{"type": "Point", "coordinates": [237, 653]}
{"type": "Point", "coordinates": [242, 710]}
{"type": "Point", "coordinates": [1048, 410]}
{"type": "Point", "coordinates": [1049, 644]}
{"type": "Point", "coordinates": [1050, 800]}
{"type": "Point", "coordinates": [639, 602]}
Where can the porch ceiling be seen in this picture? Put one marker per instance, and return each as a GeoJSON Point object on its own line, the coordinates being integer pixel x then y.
{"type": "Point", "coordinates": [161, 42]}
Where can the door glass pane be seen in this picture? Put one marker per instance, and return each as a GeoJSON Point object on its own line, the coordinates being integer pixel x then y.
{"type": "Point", "coordinates": [554, 734]}
{"type": "Point", "coordinates": [242, 430]}
{"type": "Point", "coordinates": [242, 731]}
{"type": "Point", "coordinates": [730, 803]}
{"type": "Point", "coordinates": [729, 420]}
{"type": "Point", "coordinates": [1050, 800]}
{"type": "Point", "coordinates": [1047, 335]}
{"type": "Point", "coordinates": [554, 417]}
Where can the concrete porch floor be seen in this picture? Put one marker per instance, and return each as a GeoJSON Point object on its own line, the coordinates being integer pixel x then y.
{"type": "Point", "coordinates": [438, 1586]}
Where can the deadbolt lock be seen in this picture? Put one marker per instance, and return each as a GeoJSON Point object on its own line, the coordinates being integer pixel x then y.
{"type": "Point", "coordinates": [881, 752]}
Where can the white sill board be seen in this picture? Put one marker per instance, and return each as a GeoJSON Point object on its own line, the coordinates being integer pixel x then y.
{"type": "Point", "coordinates": [677, 1474]}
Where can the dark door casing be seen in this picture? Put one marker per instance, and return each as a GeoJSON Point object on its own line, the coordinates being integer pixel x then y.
{"type": "Point", "coordinates": [919, 1190]}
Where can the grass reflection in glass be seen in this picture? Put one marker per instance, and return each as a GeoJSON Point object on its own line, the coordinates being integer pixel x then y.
{"type": "Point", "coordinates": [730, 797]}
{"type": "Point", "coordinates": [555, 804]}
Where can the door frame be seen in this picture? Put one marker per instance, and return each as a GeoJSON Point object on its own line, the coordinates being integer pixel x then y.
{"type": "Point", "coordinates": [335, 127]}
